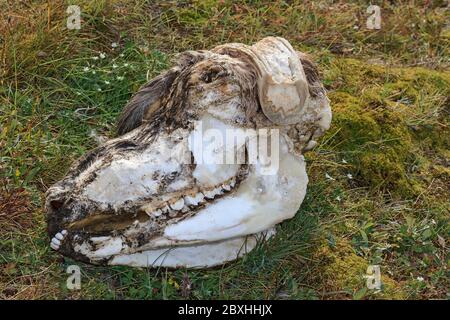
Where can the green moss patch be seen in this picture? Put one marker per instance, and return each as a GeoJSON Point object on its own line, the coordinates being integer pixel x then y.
{"type": "Point", "coordinates": [343, 270]}
{"type": "Point", "coordinates": [386, 120]}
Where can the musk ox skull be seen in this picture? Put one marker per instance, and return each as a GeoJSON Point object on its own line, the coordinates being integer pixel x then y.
{"type": "Point", "coordinates": [165, 193]}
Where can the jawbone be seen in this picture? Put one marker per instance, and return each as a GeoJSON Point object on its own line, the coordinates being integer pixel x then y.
{"type": "Point", "coordinates": [203, 255]}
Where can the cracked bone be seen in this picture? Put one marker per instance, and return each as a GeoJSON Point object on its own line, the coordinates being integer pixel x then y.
{"type": "Point", "coordinates": [155, 196]}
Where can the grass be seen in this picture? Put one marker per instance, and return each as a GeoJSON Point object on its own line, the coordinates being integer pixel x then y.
{"type": "Point", "coordinates": [379, 180]}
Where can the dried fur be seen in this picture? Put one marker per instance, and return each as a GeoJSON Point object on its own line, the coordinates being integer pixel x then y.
{"type": "Point", "coordinates": [152, 96]}
{"type": "Point", "coordinates": [312, 75]}
{"type": "Point", "coordinates": [146, 100]}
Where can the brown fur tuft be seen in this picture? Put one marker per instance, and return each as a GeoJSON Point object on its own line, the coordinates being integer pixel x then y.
{"type": "Point", "coordinates": [312, 74]}
{"type": "Point", "coordinates": [151, 97]}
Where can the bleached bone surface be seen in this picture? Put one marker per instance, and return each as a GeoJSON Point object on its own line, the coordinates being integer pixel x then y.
{"type": "Point", "coordinates": [152, 197]}
{"type": "Point", "coordinates": [195, 256]}
{"type": "Point", "coordinates": [140, 172]}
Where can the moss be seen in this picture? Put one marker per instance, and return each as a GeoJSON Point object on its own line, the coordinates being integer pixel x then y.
{"type": "Point", "coordinates": [378, 146]}
{"type": "Point", "coordinates": [385, 120]}
{"type": "Point", "coordinates": [343, 270]}
{"type": "Point", "coordinates": [383, 170]}
{"type": "Point", "coordinates": [355, 127]}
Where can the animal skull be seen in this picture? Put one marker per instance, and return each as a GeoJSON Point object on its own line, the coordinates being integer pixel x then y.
{"type": "Point", "coordinates": [131, 201]}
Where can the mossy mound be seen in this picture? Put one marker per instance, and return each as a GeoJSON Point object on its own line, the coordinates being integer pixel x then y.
{"type": "Point", "coordinates": [343, 270]}
{"type": "Point", "coordinates": [392, 124]}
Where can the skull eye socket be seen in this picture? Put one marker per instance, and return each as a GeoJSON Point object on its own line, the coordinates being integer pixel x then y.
{"type": "Point", "coordinates": [212, 74]}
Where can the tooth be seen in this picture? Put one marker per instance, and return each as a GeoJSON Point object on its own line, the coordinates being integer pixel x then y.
{"type": "Point", "coordinates": [157, 213]}
{"type": "Point", "coordinates": [178, 205]}
{"type": "Point", "coordinates": [233, 182]}
{"type": "Point", "coordinates": [185, 209]}
{"type": "Point", "coordinates": [201, 197]}
{"type": "Point", "coordinates": [226, 187]}
{"type": "Point", "coordinates": [56, 242]}
{"type": "Point", "coordinates": [59, 236]}
{"type": "Point", "coordinates": [209, 194]}
{"type": "Point", "coordinates": [195, 200]}
{"type": "Point", "coordinates": [218, 191]}
{"type": "Point", "coordinates": [64, 232]}
{"type": "Point", "coordinates": [165, 209]}
{"type": "Point", "coordinates": [190, 201]}
{"type": "Point", "coordinates": [54, 246]}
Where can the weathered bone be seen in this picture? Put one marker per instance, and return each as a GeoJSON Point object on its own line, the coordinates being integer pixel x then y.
{"type": "Point", "coordinates": [132, 202]}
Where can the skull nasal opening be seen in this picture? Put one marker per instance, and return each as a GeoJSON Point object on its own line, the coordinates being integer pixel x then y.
{"type": "Point", "coordinates": [55, 201]}
{"type": "Point", "coordinates": [56, 204]}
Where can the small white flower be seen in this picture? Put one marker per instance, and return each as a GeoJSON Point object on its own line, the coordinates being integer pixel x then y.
{"type": "Point", "coordinates": [349, 175]}
{"type": "Point", "coordinates": [102, 55]}
{"type": "Point", "coordinates": [355, 27]}
{"type": "Point", "coordinates": [338, 198]}
{"type": "Point", "coordinates": [86, 69]}
{"type": "Point", "coordinates": [329, 177]}
{"type": "Point", "coordinates": [93, 72]}
{"type": "Point", "coordinates": [120, 78]}
{"type": "Point", "coordinates": [122, 55]}
{"type": "Point", "coordinates": [344, 161]}
{"type": "Point", "coordinates": [115, 66]}
{"type": "Point", "coordinates": [107, 82]}
{"type": "Point", "coordinates": [95, 58]}
{"type": "Point", "coordinates": [114, 45]}
{"type": "Point", "coordinates": [99, 89]}
{"type": "Point", "coordinates": [420, 279]}
{"type": "Point", "coordinates": [125, 64]}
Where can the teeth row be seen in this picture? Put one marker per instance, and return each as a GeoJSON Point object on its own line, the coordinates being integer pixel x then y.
{"type": "Point", "coordinates": [184, 204]}
{"type": "Point", "coordinates": [57, 239]}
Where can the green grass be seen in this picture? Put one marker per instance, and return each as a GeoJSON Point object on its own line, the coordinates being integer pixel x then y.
{"type": "Point", "coordinates": [387, 151]}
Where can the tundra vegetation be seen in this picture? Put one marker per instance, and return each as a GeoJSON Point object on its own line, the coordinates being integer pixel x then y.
{"type": "Point", "coordinates": [379, 178]}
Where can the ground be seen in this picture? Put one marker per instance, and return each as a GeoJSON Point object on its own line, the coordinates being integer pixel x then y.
{"type": "Point", "coordinates": [379, 179]}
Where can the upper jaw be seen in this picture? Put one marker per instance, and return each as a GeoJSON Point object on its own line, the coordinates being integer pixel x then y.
{"type": "Point", "coordinates": [136, 225]}
{"type": "Point", "coordinates": [101, 202]}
